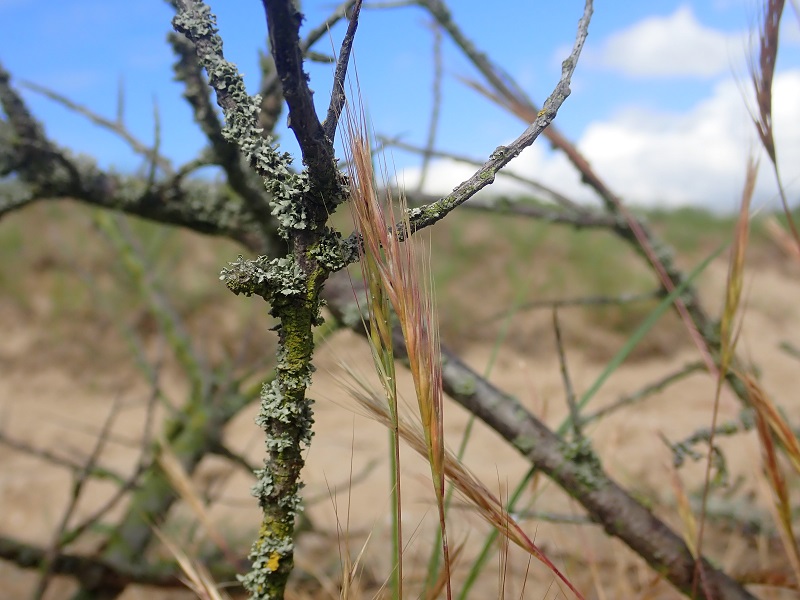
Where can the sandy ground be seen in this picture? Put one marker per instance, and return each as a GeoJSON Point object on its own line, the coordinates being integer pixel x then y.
{"type": "Point", "coordinates": [55, 392]}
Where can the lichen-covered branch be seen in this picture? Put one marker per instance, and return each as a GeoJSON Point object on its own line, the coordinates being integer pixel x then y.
{"type": "Point", "coordinates": [578, 471]}
{"type": "Point", "coordinates": [48, 172]}
{"type": "Point", "coordinates": [337, 92]}
{"type": "Point", "coordinates": [424, 216]}
{"type": "Point", "coordinates": [590, 219]}
{"type": "Point", "coordinates": [325, 185]}
{"type": "Point", "coordinates": [226, 153]}
{"type": "Point", "coordinates": [301, 204]}
{"type": "Point", "coordinates": [509, 94]}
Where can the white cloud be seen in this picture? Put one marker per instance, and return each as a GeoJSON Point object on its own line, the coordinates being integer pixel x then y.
{"type": "Point", "coordinates": [673, 46]}
{"type": "Point", "coordinates": [665, 159]}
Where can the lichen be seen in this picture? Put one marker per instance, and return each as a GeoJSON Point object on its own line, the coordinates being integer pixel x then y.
{"type": "Point", "coordinates": [465, 386]}
{"type": "Point", "coordinates": [584, 462]}
{"type": "Point", "coordinates": [270, 279]}
{"type": "Point", "coordinates": [334, 253]}
{"type": "Point", "coordinates": [287, 204]}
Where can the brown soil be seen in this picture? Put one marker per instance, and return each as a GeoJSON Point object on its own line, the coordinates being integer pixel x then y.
{"type": "Point", "coordinates": [63, 366]}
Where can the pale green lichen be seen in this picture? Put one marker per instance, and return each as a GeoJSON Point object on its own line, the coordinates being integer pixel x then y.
{"type": "Point", "coordinates": [288, 420]}
{"type": "Point", "coordinates": [269, 278]}
{"type": "Point", "coordinates": [584, 462]}
{"type": "Point", "coordinates": [287, 203]}
{"type": "Point", "coordinates": [293, 293]}
{"type": "Point", "coordinates": [241, 119]}
{"type": "Point", "coordinates": [333, 252]}
{"type": "Point", "coordinates": [465, 386]}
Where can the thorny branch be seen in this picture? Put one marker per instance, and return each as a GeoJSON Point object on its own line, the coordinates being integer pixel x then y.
{"type": "Point", "coordinates": [428, 215]}
{"type": "Point", "coordinates": [283, 24]}
{"type": "Point", "coordinates": [339, 76]}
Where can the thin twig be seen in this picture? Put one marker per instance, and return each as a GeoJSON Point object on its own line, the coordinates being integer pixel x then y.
{"type": "Point", "coordinates": [428, 215]}
{"type": "Point", "coordinates": [117, 127]}
{"type": "Point", "coordinates": [565, 378]}
{"type": "Point", "coordinates": [337, 91]}
{"type": "Point", "coordinates": [551, 193]}
{"type": "Point", "coordinates": [80, 480]}
{"type": "Point", "coordinates": [601, 300]}
{"type": "Point", "coordinates": [647, 391]}
{"type": "Point", "coordinates": [436, 105]}
{"type": "Point", "coordinates": [582, 220]}
{"type": "Point", "coordinates": [61, 461]}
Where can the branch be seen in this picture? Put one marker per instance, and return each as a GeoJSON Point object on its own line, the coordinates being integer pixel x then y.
{"type": "Point", "coordinates": [226, 153]}
{"type": "Point", "coordinates": [573, 466]}
{"type": "Point", "coordinates": [283, 23]}
{"type": "Point", "coordinates": [430, 214]}
{"type": "Point", "coordinates": [88, 569]}
{"type": "Point", "coordinates": [270, 82]}
{"type": "Point", "coordinates": [337, 91]}
{"type": "Point", "coordinates": [553, 194]}
{"type": "Point", "coordinates": [52, 173]}
{"type": "Point", "coordinates": [79, 481]}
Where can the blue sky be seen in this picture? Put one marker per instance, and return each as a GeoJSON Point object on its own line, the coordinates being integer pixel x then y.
{"type": "Point", "coordinates": [657, 101]}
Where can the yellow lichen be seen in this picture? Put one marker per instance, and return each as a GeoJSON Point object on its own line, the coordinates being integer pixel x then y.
{"type": "Point", "coordinates": [273, 562]}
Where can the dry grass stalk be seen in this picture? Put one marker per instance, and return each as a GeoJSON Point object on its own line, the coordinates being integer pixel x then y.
{"type": "Point", "coordinates": [762, 75]}
{"type": "Point", "coordinates": [766, 415]}
{"type": "Point", "coordinates": [182, 484]}
{"type": "Point", "coordinates": [478, 496]}
{"type": "Point", "coordinates": [350, 586]}
{"type": "Point", "coordinates": [783, 240]}
{"type": "Point", "coordinates": [729, 332]}
{"type": "Point", "coordinates": [393, 272]}
{"type": "Point", "coordinates": [730, 327]}
{"type": "Point", "coordinates": [198, 578]}
{"type": "Point", "coordinates": [685, 513]}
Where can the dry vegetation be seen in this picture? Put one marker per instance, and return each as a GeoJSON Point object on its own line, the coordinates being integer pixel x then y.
{"type": "Point", "coordinates": [75, 326]}
{"type": "Point", "coordinates": [130, 376]}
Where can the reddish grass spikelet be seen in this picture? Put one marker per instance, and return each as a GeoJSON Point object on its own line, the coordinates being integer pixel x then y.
{"type": "Point", "coordinates": [372, 254]}
{"type": "Point", "coordinates": [781, 431]}
{"type": "Point", "coordinates": [770, 426]}
{"type": "Point", "coordinates": [762, 76]}
{"type": "Point", "coordinates": [392, 271]}
{"type": "Point", "coordinates": [474, 492]}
